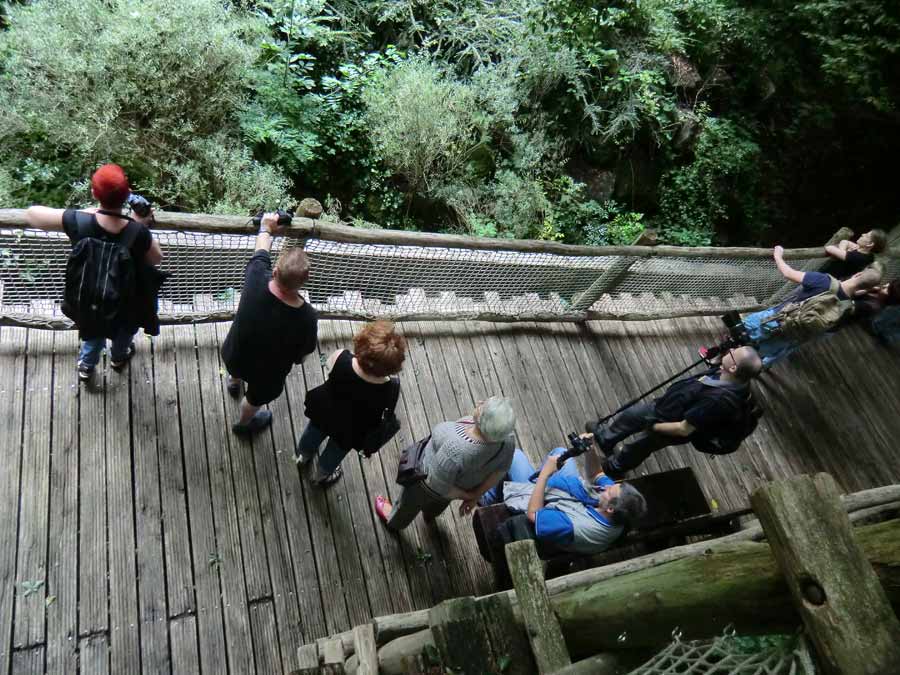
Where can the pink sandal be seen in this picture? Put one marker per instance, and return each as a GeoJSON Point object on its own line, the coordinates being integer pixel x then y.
{"type": "Point", "coordinates": [380, 502]}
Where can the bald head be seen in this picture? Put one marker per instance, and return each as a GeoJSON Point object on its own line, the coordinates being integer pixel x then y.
{"type": "Point", "coordinates": [863, 281]}
{"type": "Point", "coordinates": [742, 364]}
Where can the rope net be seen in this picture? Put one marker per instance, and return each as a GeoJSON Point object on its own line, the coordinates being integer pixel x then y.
{"type": "Point", "coordinates": [731, 655]}
{"type": "Point", "coordinates": [406, 282]}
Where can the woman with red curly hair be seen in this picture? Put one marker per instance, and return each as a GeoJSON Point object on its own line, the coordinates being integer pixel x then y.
{"type": "Point", "coordinates": [107, 225]}
{"type": "Point", "coordinates": [352, 401]}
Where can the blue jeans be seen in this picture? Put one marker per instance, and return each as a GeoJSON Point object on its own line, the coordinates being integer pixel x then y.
{"type": "Point", "coordinates": [521, 470]}
{"type": "Point", "coordinates": [309, 443]}
{"type": "Point", "coordinates": [90, 351]}
{"type": "Point", "coordinates": [761, 330]}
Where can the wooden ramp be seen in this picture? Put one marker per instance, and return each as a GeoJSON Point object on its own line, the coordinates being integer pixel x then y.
{"type": "Point", "coordinates": [140, 535]}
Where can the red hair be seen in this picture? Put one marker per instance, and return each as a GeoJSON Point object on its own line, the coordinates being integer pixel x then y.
{"type": "Point", "coordinates": [110, 186]}
{"type": "Point", "coordinates": [378, 349]}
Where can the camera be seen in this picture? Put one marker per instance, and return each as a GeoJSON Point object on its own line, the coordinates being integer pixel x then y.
{"type": "Point", "coordinates": [577, 445]}
{"type": "Point", "coordinates": [737, 336]}
{"type": "Point", "coordinates": [284, 218]}
{"type": "Point", "coordinates": [139, 204]}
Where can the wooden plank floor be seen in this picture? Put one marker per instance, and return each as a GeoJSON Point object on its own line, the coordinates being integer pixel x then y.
{"type": "Point", "coordinates": [137, 534]}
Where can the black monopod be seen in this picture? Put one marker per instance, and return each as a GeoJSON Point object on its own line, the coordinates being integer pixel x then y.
{"type": "Point", "coordinates": [737, 337]}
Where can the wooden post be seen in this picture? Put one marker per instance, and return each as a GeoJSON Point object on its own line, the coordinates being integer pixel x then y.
{"type": "Point", "coordinates": [308, 657]}
{"type": "Point", "coordinates": [836, 238]}
{"type": "Point", "coordinates": [332, 653]}
{"type": "Point", "coordinates": [366, 650]}
{"type": "Point", "coordinates": [604, 284]}
{"type": "Point", "coordinates": [459, 635]}
{"type": "Point", "coordinates": [511, 653]}
{"type": "Point", "coordinates": [541, 623]}
{"type": "Point", "coordinates": [843, 605]}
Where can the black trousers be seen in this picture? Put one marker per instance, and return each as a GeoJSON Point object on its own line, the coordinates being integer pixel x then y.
{"type": "Point", "coordinates": [636, 421]}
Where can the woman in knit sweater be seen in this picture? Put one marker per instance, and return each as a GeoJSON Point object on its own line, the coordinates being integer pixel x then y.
{"type": "Point", "coordinates": [463, 460]}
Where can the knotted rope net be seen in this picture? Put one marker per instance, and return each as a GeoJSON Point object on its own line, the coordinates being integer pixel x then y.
{"type": "Point", "coordinates": [367, 281]}
{"type": "Point", "coordinates": [732, 655]}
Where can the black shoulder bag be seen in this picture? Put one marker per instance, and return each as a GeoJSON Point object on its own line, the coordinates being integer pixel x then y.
{"type": "Point", "coordinates": [387, 428]}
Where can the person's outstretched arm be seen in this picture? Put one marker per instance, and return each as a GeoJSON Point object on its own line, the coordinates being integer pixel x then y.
{"type": "Point", "coordinates": [44, 218]}
{"type": "Point", "coordinates": [786, 270]}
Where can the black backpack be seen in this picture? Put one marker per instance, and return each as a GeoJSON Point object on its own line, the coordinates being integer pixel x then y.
{"type": "Point", "coordinates": [100, 277]}
{"type": "Point", "coordinates": [746, 414]}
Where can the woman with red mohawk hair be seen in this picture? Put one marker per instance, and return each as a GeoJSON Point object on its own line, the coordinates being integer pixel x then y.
{"type": "Point", "coordinates": [107, 248]}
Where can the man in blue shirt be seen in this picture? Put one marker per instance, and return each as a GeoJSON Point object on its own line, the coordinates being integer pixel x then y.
{"type": "Point", "coordinates": [763, 326]}
{"type": "Point", "coordinates": [572, 514]}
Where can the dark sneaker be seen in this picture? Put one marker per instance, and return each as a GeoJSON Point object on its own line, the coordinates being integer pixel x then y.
{"type": "Point", "coordinates": [118, 365]}
{"type": "Point", "coordinates": [233, 386]}
{"type": "Point", "coordinates": [330, 479]}
{"type": "Point", "coordinates": [596, 428]}
{"type": "Point", "coordinates": [258, 422]}
{"type": "Point", "coordinates": [300, 459]}
{"type": "Point", "coordinates": [85, 372]}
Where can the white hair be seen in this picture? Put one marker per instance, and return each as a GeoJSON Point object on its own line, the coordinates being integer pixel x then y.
{"type": "Point", "coordinates": [497, 419]}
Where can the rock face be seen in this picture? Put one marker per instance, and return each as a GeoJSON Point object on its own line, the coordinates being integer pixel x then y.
{"type": "Point", "coordinates": [598, 183]}
{"type": "Point", "coordinates": [309, 208]}
{"type": "Point", "coordinates": [649, 237]}
{"type": "Point", "coordinates": [637, 178]}
{"type": "Point", "coordinates": [684, 73]}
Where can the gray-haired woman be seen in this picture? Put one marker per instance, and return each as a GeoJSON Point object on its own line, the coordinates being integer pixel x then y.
{"type": "Point", "coordinates": [463, 460]}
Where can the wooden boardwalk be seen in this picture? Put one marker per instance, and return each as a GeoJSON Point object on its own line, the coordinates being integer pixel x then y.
{"type": "Point", "coordinates": [140, 535]}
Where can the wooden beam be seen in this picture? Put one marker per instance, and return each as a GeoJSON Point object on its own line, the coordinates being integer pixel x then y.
{"type": "Point", "coordinates": [511, 653]}
{"type": "Point", "coordinates": [308, 659]}
{"type": "Point", "coordinates": [541, 623]}
{"type": "Point", "coordinates": [863, 507]}
{"type": "Point", "coordinates": [843, 605]}
{"type": "Point", "coordinates": [365, 649]}
{"type": "Point", "coordinates": [332, 654]}
{"type": "Point", "coordinates": [605, 283]}
{"type": "Point", "coordinates": [38, 322]}
{"type": "Point", "coordinates": [307, 228]}
{"type": "Point", "coordinates": [459, 635]}
{"type": "Point", "coordinates": [739, 585]}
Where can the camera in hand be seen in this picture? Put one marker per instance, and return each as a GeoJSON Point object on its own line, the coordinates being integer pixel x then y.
{"type": "Point", "coordinates": [139, 204]}
{"type": "Point", "coordinates": [284, 218]}
{"type": "Point", "coordinates": [737, 336]}
{"type": "Point", "coordinates": [577, 446]}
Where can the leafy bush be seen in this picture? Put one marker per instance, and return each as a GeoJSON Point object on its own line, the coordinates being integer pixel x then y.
{"type": "Point", "coordinates": [138, 82]}
{"type": "Point", "coordinates": [424, 124]}
{"type": "Point", "coordinates": [718, 186]}
{"type": "Point", "coordinates": [859, 45]}
{"type": "Point", "coordinates": [7, 186]}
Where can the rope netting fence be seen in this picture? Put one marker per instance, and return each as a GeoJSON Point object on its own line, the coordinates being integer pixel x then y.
{"type": "Point", "coordinates": [367, 274]}
{"type": "Point", "coordinates": [731, 655]}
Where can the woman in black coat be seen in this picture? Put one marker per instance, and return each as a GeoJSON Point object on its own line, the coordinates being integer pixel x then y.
{"type": "Point", "coordinates": [353, 399]}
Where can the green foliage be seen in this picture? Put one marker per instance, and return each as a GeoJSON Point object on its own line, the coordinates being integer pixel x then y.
{"type": "Point", "coordinates": [718, 186]}
{"type": "Point", "coordinates": [859, 45]}
{"type": "Point", "coordinates": [146, 83]}
{"type": "Point", "coordinates": [465, 115]}
{"type": "Point", "coordinates": [424, 124]}
{"type": "Point", "coordinates": [7, 187]}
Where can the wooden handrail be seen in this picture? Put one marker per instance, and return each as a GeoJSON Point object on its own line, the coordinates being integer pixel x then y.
{"type": "Point", "coordinates": [308, 228]}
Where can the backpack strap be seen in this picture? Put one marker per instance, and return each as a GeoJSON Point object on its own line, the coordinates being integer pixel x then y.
{"type": "Point", "coordinates": [834, 285]}
{"type": "Point", "coordinates": [130, 233]}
